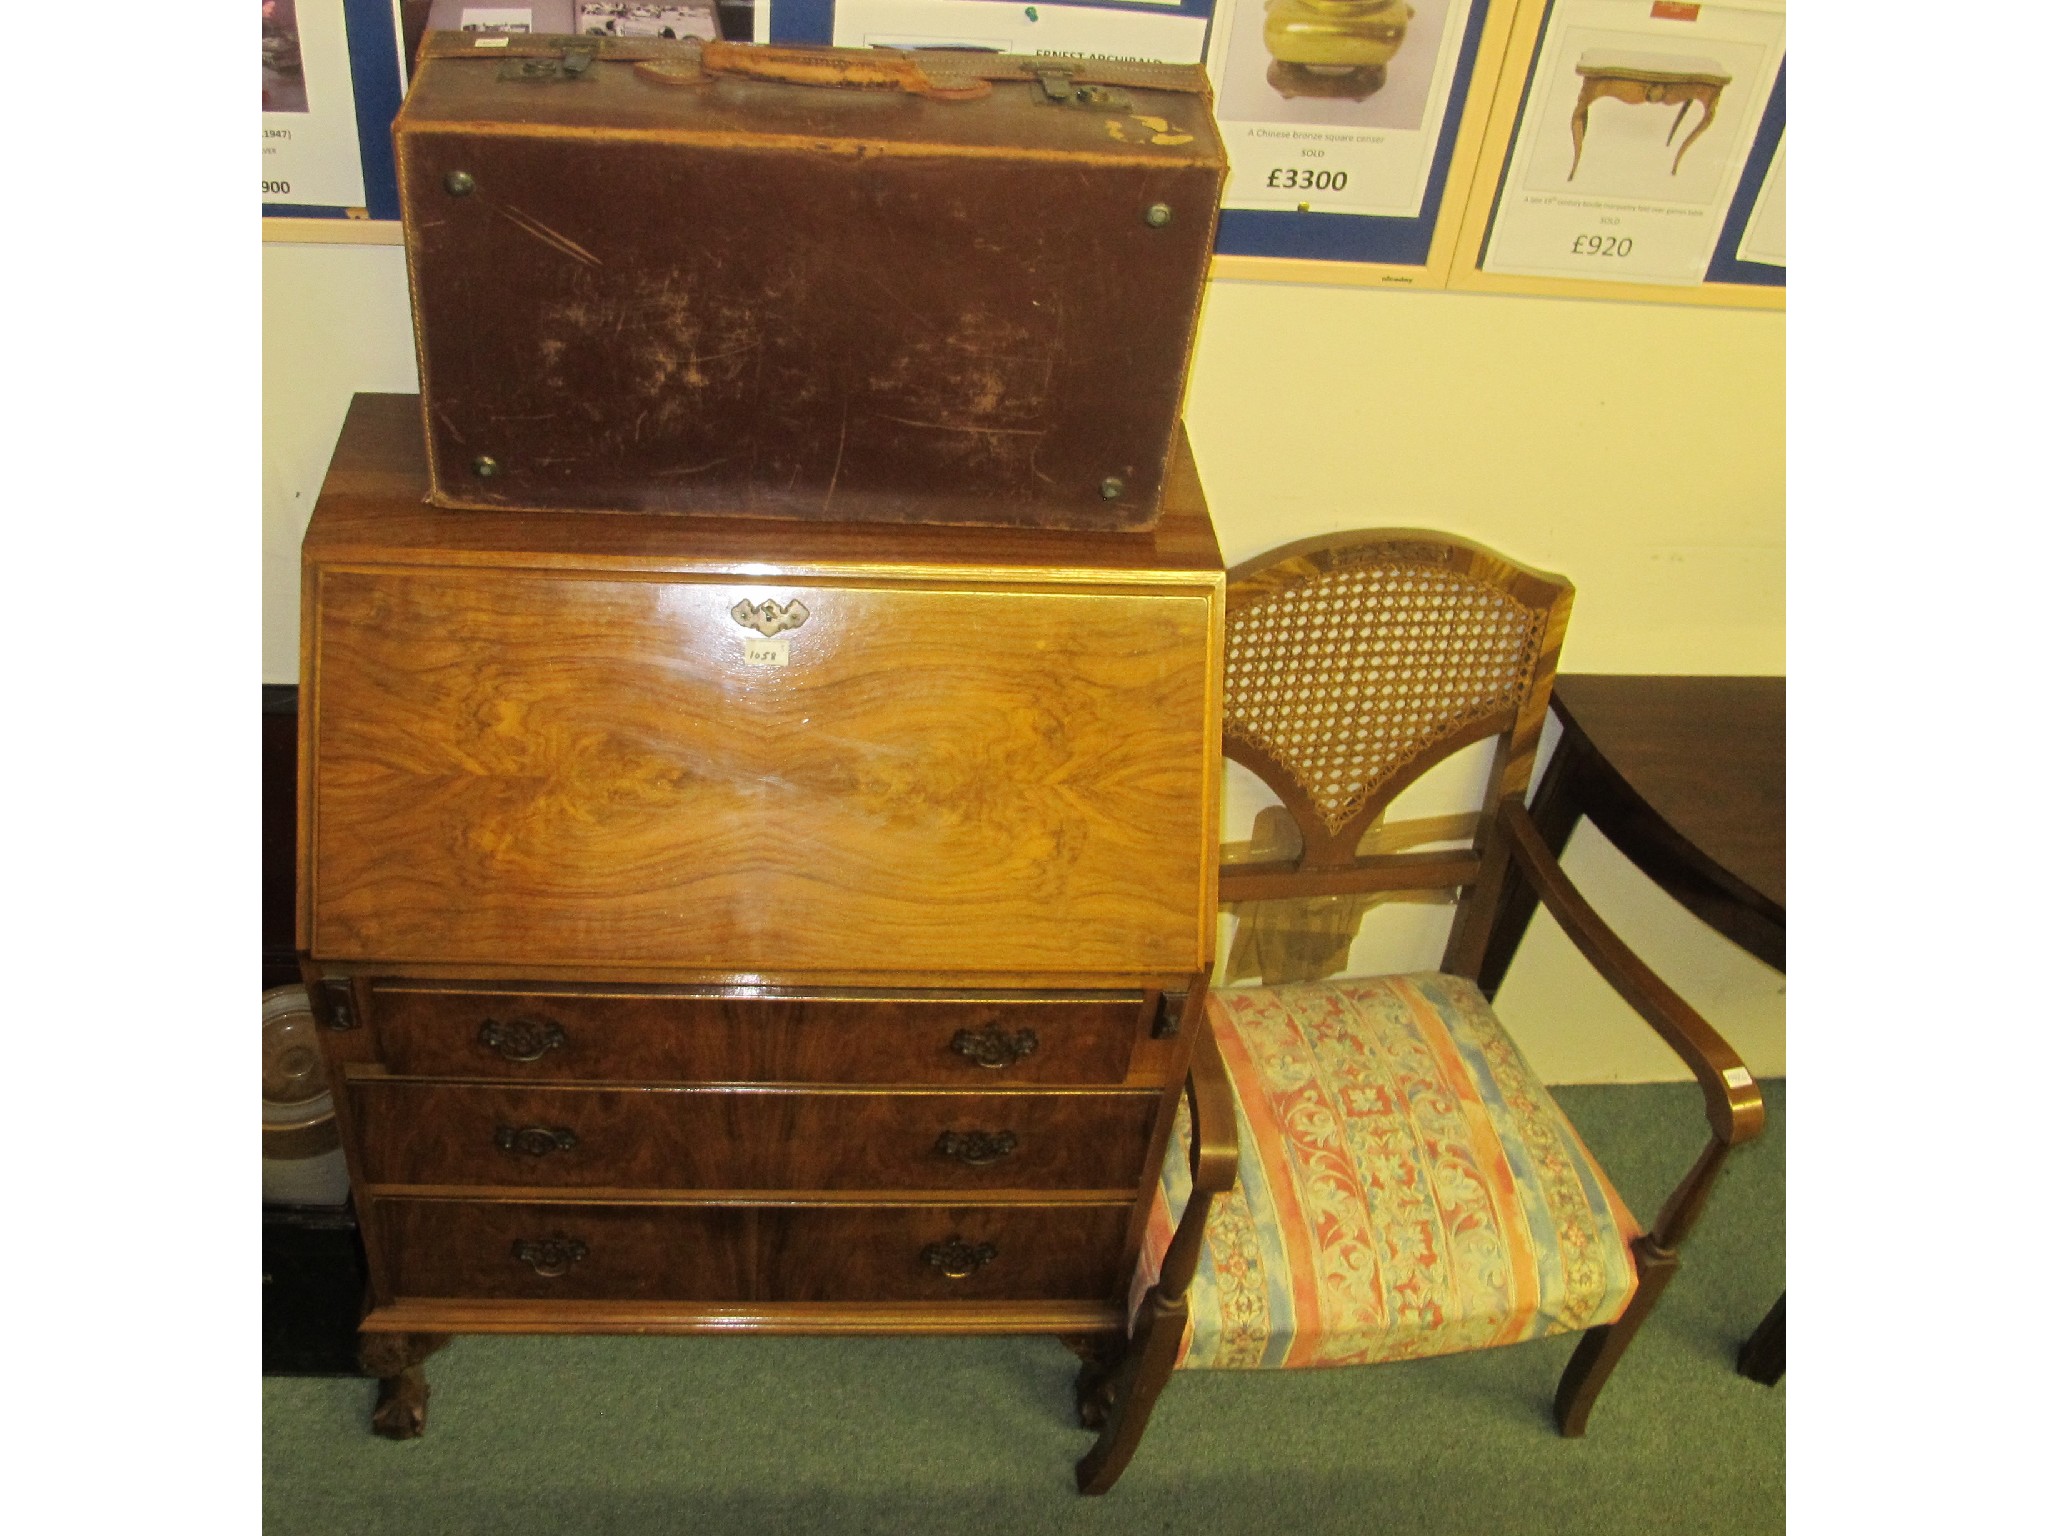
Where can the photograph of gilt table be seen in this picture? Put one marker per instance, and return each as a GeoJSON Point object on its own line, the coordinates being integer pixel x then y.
{"type": "Point", "coordinates": [724, 925]}
{"type": "Point", "coordinates": [1648, 79]}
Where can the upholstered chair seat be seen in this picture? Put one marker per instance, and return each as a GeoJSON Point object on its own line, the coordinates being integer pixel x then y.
{"type": "Point", "coordinates": [1406, 1186]}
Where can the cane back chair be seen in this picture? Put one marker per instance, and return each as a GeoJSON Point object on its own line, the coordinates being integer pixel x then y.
{"type": "Point", "coordinates": [1368, 1169]}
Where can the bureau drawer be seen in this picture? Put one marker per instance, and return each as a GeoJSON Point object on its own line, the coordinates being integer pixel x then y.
{"type": "Point", "coordinates": [491, 1249]}
{"type": "Point", "coordinates": [749, 1138]}
{"type": "Point", "coordinates": [596, 1252]}
{"type": "Point", "coordinates": [541, 1035]}
{"type": "Point", "coordinates": [942, 1253]}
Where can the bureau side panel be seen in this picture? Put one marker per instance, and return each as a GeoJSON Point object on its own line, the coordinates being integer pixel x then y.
{"type": "Point", "coordinates": [542, 768]}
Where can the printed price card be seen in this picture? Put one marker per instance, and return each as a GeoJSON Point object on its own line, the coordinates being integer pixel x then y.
{"type": "Point", "coordinates": [1637, 121]}
{"type": "Point", "coordinates": [1333, 114]}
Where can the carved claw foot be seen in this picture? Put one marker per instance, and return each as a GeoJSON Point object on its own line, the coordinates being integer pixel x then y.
{"type": "Point", "coordinates": [1094, 1393]}
{"type": "Point", "coordinates": [402, 1391]}
{"type": "Point", "coordinates": [401, 1412]}
{"type": "Point", "coordinates": [1093, 1390]}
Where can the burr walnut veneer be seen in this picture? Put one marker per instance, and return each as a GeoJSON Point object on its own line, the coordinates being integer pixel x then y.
{"type": "Point", "coordinates": [741, 925]}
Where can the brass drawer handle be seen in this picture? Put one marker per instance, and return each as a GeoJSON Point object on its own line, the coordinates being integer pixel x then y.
{"type": "Point", "coordinates": [549, 1256]}
{"type": "Point", "coordinates": [536, 1140]}
{"type": "Point", "coordinates": [993, 1049]}
{"type": "Point", "coordinates": [977, 1149]}
{"type": "Point", "coordinates": [955, 1259]}
{"type": "Point", "coordinates": [522, 1039]}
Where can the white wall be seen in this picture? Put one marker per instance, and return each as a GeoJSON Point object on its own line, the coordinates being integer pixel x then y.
{"type": "Point", "coordinates": [1638, 449]}
{"type": "Point", "coordinates": [336, 319]}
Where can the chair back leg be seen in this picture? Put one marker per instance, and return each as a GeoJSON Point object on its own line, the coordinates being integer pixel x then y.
{"type": "Point", "coordinates": [1763, 1354]}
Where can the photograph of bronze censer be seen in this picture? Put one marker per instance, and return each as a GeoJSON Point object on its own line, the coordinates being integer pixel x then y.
{"type": "Point", "coordinates": [1334, 48]}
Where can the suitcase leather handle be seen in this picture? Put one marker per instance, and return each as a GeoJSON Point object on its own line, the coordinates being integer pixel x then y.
{"type": "Point", "coordinates": [942, 74]}
{"type": "Point", "coordinates": [808, 66]}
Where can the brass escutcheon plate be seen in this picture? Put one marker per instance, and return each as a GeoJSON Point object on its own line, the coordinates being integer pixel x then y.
{"type": "Point", "coordinates": [770, 618]}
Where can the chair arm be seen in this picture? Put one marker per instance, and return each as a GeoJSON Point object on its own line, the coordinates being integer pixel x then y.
{"type": "Point", "coordinates": [1212, 1106]}
{"type": "Point", "coordinates": [1735, 1105]}
{"type": "Point", "coordinates": [1212, 1164]}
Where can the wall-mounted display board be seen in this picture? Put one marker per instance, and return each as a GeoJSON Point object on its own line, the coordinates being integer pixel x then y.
{"type": "Point", "coordinates": [1578, 148]}
{"type": "Point", "coordinates": [1634, 151]}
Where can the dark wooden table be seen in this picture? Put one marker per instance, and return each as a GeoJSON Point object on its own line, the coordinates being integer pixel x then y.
{"type": "Point", "coordinates": [1686, 777]}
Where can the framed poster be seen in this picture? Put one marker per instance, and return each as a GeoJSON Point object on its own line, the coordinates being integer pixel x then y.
{"type": "Point", "coordinates": [1166, 33]}
{"type": "Point", "coordinates": [1763, 237]}
{"type": "Point", "coordinates": [1155, 30]}
{"type": "Point", "coordinates": [1752, 248]}
{"type": "Point", "coordinates": [1627, 150]}
{"type": "Point", "coordinates": [589, 18]}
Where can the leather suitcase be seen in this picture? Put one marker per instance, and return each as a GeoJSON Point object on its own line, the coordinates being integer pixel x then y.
{"type": "Point", "coordinates": [855, 285]}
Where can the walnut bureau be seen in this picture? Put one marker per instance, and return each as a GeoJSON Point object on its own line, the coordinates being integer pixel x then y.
{"type": "Point", "coordinates": [730, 925]}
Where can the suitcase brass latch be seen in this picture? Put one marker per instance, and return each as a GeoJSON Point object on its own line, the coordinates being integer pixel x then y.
{"type": "Point", "coordinates": [1057, 89]}
{"type": "Point", "coordinates": [574, 64]}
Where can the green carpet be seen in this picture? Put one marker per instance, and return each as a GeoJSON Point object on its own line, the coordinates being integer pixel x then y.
{"type": "Point", "coordinates": [976, 1437]}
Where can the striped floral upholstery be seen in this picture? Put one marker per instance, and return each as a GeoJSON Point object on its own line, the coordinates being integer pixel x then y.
{"type": "Point", "coordinates": [1406, 1186]}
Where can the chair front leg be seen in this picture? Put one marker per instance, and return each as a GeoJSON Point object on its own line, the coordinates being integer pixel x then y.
{"type": "Point", "coordinates": [1126, 1395]}
{"type": "Point", "coordinates": [1734, 1108]}
{"type": "Point", "coordinates": [1118, 1396]}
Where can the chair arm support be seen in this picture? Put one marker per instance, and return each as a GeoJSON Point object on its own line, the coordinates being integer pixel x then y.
{"type": "Point", "coordinates": [1735, 1105]}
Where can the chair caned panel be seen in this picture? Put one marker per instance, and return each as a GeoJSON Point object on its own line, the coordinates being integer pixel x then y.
{"type": "Point", "coordinates": [1355, 673]}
